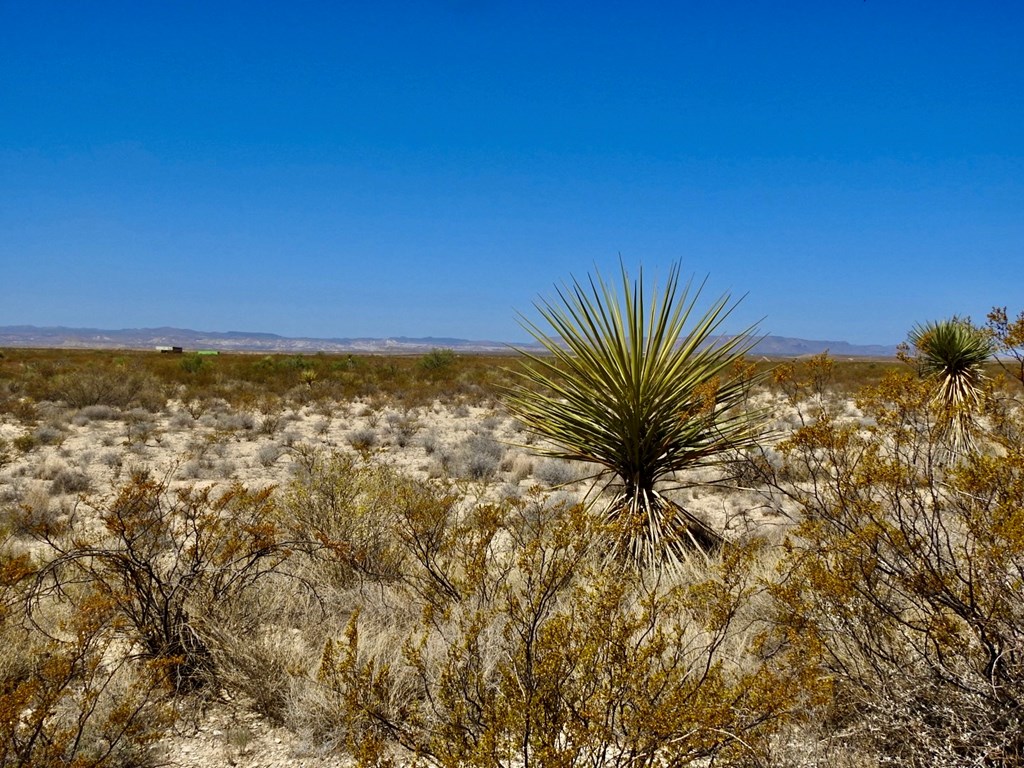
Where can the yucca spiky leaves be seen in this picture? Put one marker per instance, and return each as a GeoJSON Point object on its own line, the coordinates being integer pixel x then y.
{"type": "Point", "coordinates": [624, 385]}
{"type": "Point", "coordinates": [952, 352]}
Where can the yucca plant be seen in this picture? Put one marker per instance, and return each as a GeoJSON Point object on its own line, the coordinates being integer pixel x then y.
{"type": "Point", "coordinates": [625, 386]}
{"type": "Point", "coordinates": [952, 352]}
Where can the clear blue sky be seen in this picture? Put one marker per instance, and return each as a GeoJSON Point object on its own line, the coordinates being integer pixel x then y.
{"type": "Point", "coordinates": [429, 168]}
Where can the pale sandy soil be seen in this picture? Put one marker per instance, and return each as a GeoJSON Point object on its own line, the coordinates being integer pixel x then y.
{"type": "Point", "coordinates": [83, 452]}
{"type": "Point", "coordinates": [86, 454]}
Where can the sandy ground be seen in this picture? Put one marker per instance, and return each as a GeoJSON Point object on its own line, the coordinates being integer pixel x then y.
{"type": "Point", "coordinates": [93, 450]}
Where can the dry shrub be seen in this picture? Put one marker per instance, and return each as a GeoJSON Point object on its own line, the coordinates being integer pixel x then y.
{"type": "Point", "coordinates": [903, 584]}
{"type": "Point", "coordinates": [95, 413]}
{"type": "Point", "coordinates": [257, 644]}
{"type": "Point", "coordinates": [369, 522]}
{"type": "Point", "coordinates": [161, 559]}
{"type": "Point", "coordinates": [67, 481]}
{"type": "Point", "coordinates": [558, 472]}
{"type": "Point", "coordinates": [363, 439]}
{"type": "Point", "coordinates": [70, 691]}
{"type": "Point", "coordinates": [477, 457]}
{"type": "Point", "coordinates": [402, 427]}
{"type": "Point", "coordinates": [114, 386]}
{"type": "Point", "coordinates": [269, 454]}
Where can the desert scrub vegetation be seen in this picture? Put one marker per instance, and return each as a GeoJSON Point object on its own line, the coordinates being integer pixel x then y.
{"type": "Point", "coordinates": [902, 576]}
{"type": "Point", "coordinates": [159, 561]}
{"type": "Point", "coordinates": [126, 379]}
{"type": "Point", "coordinates": [99, 385]}
{"type": "Point", "coordinates": [867, 612]}
{"type": "Point", "coordinates": [538, 653]}
{"type": "Point", "coordinates": [1007, 337]}
{"type": "Point", "coordinates": [69, 695]}
{"type": "Point", "coordinates": [401, 619]}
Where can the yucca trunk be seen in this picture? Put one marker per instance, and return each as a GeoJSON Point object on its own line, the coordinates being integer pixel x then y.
{"type": "Point", "coordinates": [649, 528]}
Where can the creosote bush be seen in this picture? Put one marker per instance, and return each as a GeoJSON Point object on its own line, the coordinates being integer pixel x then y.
{"type": "Point", "coordinates": [69, 692]}
{"type": "Point", "coordinates": [160, 560]}
{"type": "Point", "coordinates": [437, 360]}
{"type": "Point", "coordinates": [902, 583]}
{"type": "Point", "coordinates": [1008, 340]}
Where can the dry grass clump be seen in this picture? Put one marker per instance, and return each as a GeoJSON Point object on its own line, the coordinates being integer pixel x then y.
{"type": "Point", "coordinates": [95, 413]}
{"type": "Point", "coordinates": [363, 439]}
{"type": "Point", "coordinates": [558, 472]}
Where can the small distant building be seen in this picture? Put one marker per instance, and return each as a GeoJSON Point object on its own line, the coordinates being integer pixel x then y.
{"type": "Point", "coordinates": [208, 352]}
{"type": "Point", "coordinates": [170, 350]}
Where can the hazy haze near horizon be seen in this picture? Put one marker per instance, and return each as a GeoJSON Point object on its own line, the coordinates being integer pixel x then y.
{"type": "Point", "coordinates": [428, 169]}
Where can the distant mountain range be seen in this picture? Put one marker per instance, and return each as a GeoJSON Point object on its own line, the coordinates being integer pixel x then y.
{"type": "Point", "coordinates": [246, 341]}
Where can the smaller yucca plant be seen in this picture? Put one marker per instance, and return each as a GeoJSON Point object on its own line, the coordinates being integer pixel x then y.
{"type": "Point", "coordinates": [953, 353]}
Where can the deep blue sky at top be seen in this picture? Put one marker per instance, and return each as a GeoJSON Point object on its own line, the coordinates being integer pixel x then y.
{"type": "Point", "coordinates": [429, 168]}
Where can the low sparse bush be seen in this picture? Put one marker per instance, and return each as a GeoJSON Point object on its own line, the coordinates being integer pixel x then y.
{"type": "Point", "coordinates": [81, 702]}
{"type": "Point", "coordinates": [478, 457]}
{"type": "Point", "coordinates": [290, 438]}
{"type": "Point", "coordinates": [901, 583]}
{"type": "Point", "coordinates": [68, 480]}
{"type": "Point", "coordinates": [437, 360]}
{"type": "Point", "coordinates": [161, 560]}
{"type": "Point", "coordinates": [37, 511]}
{"type": "Point", "coordinates": [371, 414]}
{"type": "Point", "coordinates": [232, 421]}
{"type": "Point", "coordinates": [478, 466]}
{"type": "Point", "coordinates": [25, 443]}
{"type": "Point", "coordinates": [113, 386]}
{"type": "Point", "coordinates": [269, 454]}
{"type": "Point", "coordinates": [23, 409]}
{"type": "Point", "coordinates": [192, 363]}
{"type": "Point", "coordinates": [556, 472]}
{"type": "Point", "coordinates": [538, 653]}
{"type": "Point", "coordinates": [362, 439]}
{"type": "Point", "coordinates": [430, 442]}
{"type": "Point", "coordinates": [402, 427]}
{"type": "Point", "coordinates": [182, 420]}
{"type": "Point", "coordinates": [139, 426]}
{"type": "Point", "coordinates": [355, 509]}
{"type": "Point", "coordinates": [49, 434]}
{"type": "Point", "coordinates": [195, 469]}
{"type": "Point", "coordinates": [95, 413]}
{"type": "Point", "coordinates": [271, 415]}
{"type": "Point", "coordinates": [70, 692]}
{"type": "Point", "coordinates": [111, 459]}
